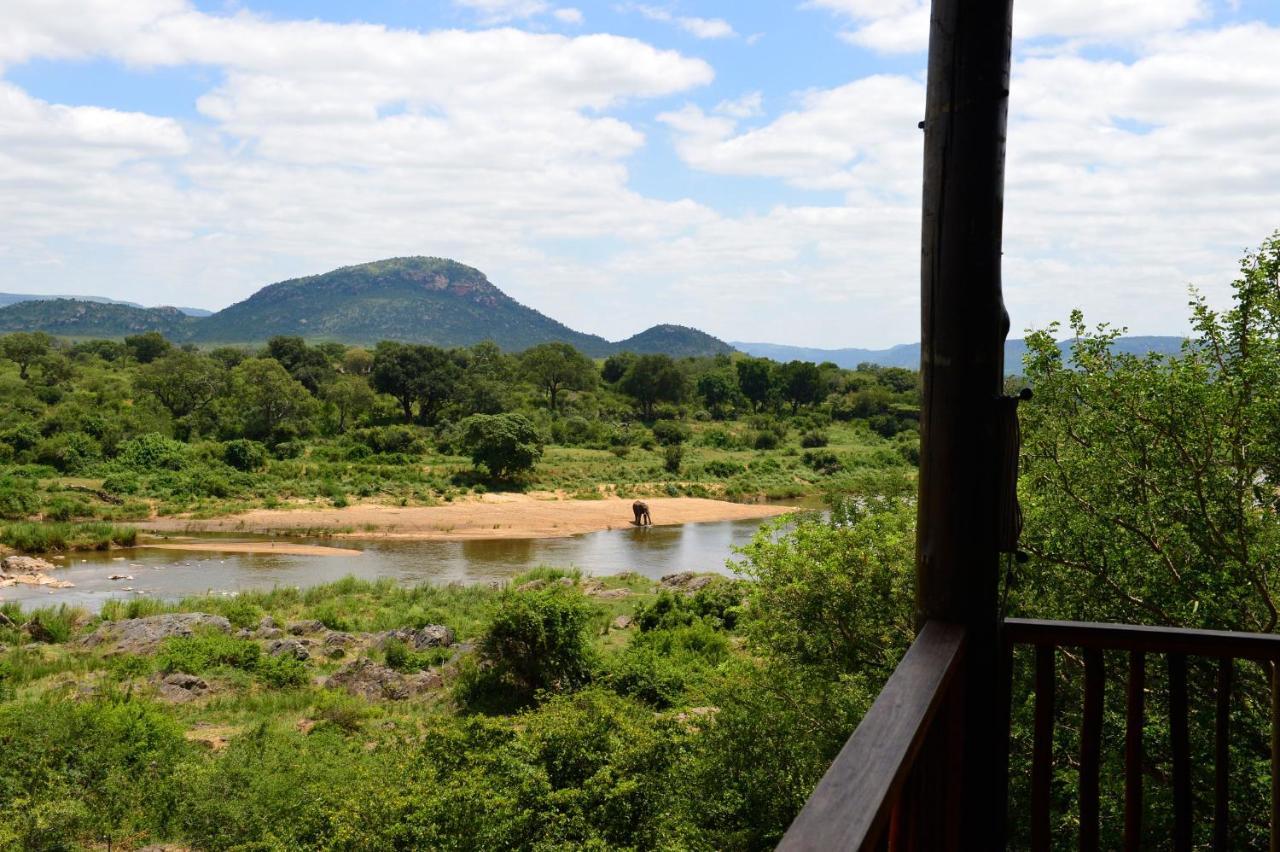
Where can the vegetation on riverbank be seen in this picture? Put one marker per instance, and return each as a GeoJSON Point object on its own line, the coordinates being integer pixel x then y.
{"type": "Point", "coordinates": [570, 712]}
{"type": "Point", "coordinates": [109, 431]}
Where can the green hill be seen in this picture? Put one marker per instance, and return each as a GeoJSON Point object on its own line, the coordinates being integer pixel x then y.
{"type": "Point", "coordinates": [677, 341]}
{"type": "Point", "coordinates": [411, 299]}
{"type": "Point", "coordinates": [408, 299]}
{"type": "Point", "coordinates": [75, 318]}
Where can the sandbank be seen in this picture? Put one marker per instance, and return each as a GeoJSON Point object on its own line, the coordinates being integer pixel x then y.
{"type": "Point", "coordinates": [490, 516]}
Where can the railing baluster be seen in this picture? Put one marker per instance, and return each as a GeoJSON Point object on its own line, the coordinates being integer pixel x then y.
{"type": "Point", "coordinates": [1135, 708]}
{"type": "Point", "coordinates": [1275, 757]}
{"type": "Point", "coordinates": [1005, 683]}
{"type": "Point", "coordinates": [1090, 748]}
{"type": "Point", "coordinates": [1222, 758]}
{"type": "Point", "coordinates": [1181, 744]}
{"type": "Point", "coordinates": [1042, 753]}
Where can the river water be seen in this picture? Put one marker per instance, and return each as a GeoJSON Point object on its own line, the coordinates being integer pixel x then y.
{"type": "Point", "coordinates": [652, 551]}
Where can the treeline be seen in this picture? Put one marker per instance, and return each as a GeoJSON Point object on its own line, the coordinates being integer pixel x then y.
{"type": "Point", "coordinates": [72, 404]}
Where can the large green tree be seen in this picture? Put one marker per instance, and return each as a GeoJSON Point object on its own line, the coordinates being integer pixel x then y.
{"type": "Point", "coordinates": [652, 379]}
{"type": "Point", "coordinates": [183, 382]}
{"type": "Point", "coordinates": [757, 380]}
{"type": "Point", "coordinates": [415, 374]}
{"type": "Point", "coordinates": [557, 366]}
{"type": "Point", "coordinates": [267, 403]}
{"type": "Point", "coordinates": [25, 348]}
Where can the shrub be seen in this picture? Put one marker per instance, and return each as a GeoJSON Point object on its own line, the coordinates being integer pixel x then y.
{"type": "Point", "coordinates": [282, 672]}
{"type": "Point", "coordinates": [670, 432]}
{"type": "Point", "coordinates": [245, 455]}
{"type": "Point", "coordinates": [723, 469]}
{"type": "Point", "coordinates": [765, 440]}
{"type": "Point", "coordinates": [153, 452]}
{"type": "Point", "coordinates": [537, 640]}
{"type": "Point", "coordinates": [69, 452]}
{"type": "Point", "coordinates": [672, 457]}
{"type": "Point", "coordinates": [505, 444]}
{"type": "Point", "coordinates": [17, 497]}
{"type": "Point", "coordinates": [121, 483]}
{"type": "Point", "coordinates": [821, 461]}
{"type": "Point", "coordinates": [810, 440]}
{"type": "Point", "coordinates": [65, 508]}
{"type": "Point", "coordinates": [197, 654]}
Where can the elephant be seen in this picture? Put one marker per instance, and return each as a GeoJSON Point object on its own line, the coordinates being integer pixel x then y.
{"type": "Point", "coordinates": [641, 511]}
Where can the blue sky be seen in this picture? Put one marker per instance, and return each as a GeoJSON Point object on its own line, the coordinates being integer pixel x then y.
{"type": "Point", "coordinates": [748, 168]}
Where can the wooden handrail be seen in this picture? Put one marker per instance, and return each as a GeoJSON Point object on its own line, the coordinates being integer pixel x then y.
{"type": "Point", "coordinates": [1135, 637]}
{"type": "Point", "coordinates": [852, 804]}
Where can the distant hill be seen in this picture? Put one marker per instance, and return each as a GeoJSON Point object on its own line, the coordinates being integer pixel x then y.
{"type": "Point", "coordinates": [908, 354]}
{"type": "Point", "coordinates": [678, 341]}
{"type": "Point", "coordinates": [408, 299]}
{"type": "Point", "coordinates": [75, 318]}
{"type": "Point", "coordinates": [411, 299]}
{"type": "Point", "coordinates": [15, 298]}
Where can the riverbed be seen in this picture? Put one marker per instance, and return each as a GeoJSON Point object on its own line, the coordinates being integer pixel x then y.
{"type": "Point", "coordinates": [169, 574]}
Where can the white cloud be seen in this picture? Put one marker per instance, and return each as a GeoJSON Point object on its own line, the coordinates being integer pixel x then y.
{"type": "Point", "coordinates": [749, 105]}
{"type": "Point", "coordinates": [569, 15]}
{"type": "Point", "coordinates": [704, 28]}
{"type": "Point", "coordinates": [902, 26]}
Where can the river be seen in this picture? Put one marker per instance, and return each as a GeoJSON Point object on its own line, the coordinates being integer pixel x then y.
{"type": "Point", "coordinates": [652, 551]}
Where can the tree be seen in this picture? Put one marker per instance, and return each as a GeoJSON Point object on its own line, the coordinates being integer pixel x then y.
{"type": "Point", "coordinates": [183, 382]}
{"type": "Point", "coordinates": [616, 366]}
{"type": "Point", "coordinates": [415, 374]}
{"type": "Point", "coordinates": [652, 379]}
{"type": "Point", "coordinates": [557, 366]}
{"type": "Point", "coordinates": [756, 380]}
{"type": "Point", "coordinates": [147, 347]}
{"type": "Point", "coordinates": [269, 404]}
{"type": "Point", "coordinates": [350, 396]}
{"type": "Point", "coordinates": [719, 390]}
{"type": "Point", "coordinates": [307, 365]}
{"type": "Point", "coordinates": [357, 361]}
{"type": "Point", "coordinates": [25, 348]}
{"type": "Point", "coordinates": [800, 383]}
{"type": "Point", "coordinates": [506, 444]}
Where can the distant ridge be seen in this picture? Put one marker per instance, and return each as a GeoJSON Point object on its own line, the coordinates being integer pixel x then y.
{"type": "Point", "coordinates": [908, 354]}
{"type": "Point", "coordinates": [16, 298]}
{"type": "Point", "coordinates": [408, 299]}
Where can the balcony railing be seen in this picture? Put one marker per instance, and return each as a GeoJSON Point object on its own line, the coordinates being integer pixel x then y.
{"type": "Point", "coordinates": [894, 784]}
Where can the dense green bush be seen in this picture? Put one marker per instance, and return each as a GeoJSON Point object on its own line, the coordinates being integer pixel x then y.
{"type": "Point", "coordinates": [537, 640]}
{"type": "Point", "coordinates": [245, 455]}
{"type": "Point", "coordinates": [18, 497]}
{"type": "Point", "coordinates": [505, 444]}
{"type": "Point", "coordinates": [670, 432]}
{"type": "Point", "coordinates": [153, 452]}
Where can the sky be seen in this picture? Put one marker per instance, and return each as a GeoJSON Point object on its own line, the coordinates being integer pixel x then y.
{"type": "Point", "coordinates": [749, 168]}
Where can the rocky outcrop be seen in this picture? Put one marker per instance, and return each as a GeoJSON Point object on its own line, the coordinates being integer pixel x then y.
{"type": "Point", "coordinates": [302, 628]}
{"type": "Point", "coordinates": [421, 638]}
{"type": "Point", "coordinates": [143, 635]}
{"type": "Point", "coordinates": [29, 571]}
{"type": "Point", "coordinates": [685, 581]}
{"type": "Point", "coordinates": [288, 648]}
{"type": "Point", "coordinates": [374, 681]}
{"type": "Point", "coordinates": [180, 687]}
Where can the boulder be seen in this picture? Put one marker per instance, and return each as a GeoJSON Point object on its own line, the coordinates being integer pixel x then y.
{"type": "Point", "coordinates": [374, 681]}
{"type": "Point", "coordinates": [431, 636]}
{"type": "Point", "coordinates": [531, 586]}
{"type": "Point", "coordinates": [622, 622]}
{"type": "Point", "coordinates": [143, 635]}
{"type": "Point", "coordinates": [180, 687]}
{"type": "Point", "coordinates": [24, 565]}
{"type": "Point", "coordinates": [301, 628]}
{"type": "Point", "coordinates": [685, 581]}
{"type": "Point", "coordinates": [268, 633]}
{"type": "Point", "coordinates": [288, 648]}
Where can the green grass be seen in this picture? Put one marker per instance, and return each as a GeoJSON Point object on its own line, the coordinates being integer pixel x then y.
{"type": "Point", "coordinates": [35, 537]}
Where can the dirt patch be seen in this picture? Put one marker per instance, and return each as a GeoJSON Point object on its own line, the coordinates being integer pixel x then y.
{"type": "Point", "coordinates": [491, 516]}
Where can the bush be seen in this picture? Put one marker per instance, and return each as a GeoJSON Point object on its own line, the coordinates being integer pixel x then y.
{"type": "Point", "coordinates": [537, 640]}
{"type": "Point", "coordinates": [69, 452]}
{"type": "Point", "coordinates": [197, 654]}
{"type": "Point", "coordinates": [810, 440]}
{"type": "Point", "coordinates": [391, 439]}
{"type": "Point", "coordinates": [821, 461]}
{"type": "Point", "coordinates": [670, 433]}
{"type": "Point", "coordinates": [282, 672]}
{"type": "Point", "coordinates": [723, 469]}
{"type": "Point", "coordinates": [505, 444]}
{"type": "Point", "coordinates": [153, 452]}
{"type": "Point", "coordinates": [765, 440]}
{"type": "Point", "coordinates": [672, 457]}
{"type": "Point", "coordinates": [245, 455]}
{"type": "Point", "coordinates": [17, 498]}
{"type": "Point", "coordinates": [65, 508]}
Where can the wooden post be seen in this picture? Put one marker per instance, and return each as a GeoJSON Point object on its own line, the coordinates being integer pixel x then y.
{"type": "Point", "coordinates": [963, 325]}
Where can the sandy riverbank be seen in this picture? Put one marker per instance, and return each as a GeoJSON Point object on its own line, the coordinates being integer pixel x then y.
{"type": "Point", "coordinates": [489, 516]}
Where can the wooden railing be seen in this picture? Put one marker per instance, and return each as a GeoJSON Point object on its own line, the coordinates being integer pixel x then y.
{"type": "Point", "coordinates": [1046, 637]}
{"type": "Point", "coordinates": [887, 788]}
{"type": "Point", "coordinates": [894, 785]}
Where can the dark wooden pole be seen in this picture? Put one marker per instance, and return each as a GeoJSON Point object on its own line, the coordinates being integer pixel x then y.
{"type": "Point", "coordinates": [962, 367]}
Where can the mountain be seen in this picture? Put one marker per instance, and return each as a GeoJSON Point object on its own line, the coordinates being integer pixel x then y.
{"type": "Point", "coordinates": [678, 341]}
{"type": "Point", "coordinates": [83, 319]}
{"type": "Point", "coordinates": [411, 299]}
{"type": "Point", "coordinates": [16, 298]}
{"type": "Point", "coordinates": [408, 299]}
{"type": "Point", "coordinates": [908, 354]}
